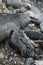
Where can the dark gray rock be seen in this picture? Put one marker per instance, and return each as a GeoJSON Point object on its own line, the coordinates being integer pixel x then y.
{"type": "Point", "coordinates": [18, 39]}
{"type": "Point", "coordinates": [38, 1]}
{"type": "Point", "coordinates": [35, 20]}
{"type": "Point", "coordinates": [34, 35]}
{"type": "Point", "coordinates": [23, 44]}
{"type": "Point", "coordinates": [37, 10]}
{"type": "Point", "coordinates": [40, 57]}
{"type": "Point", "coordinates": [41, 27]}
{"type": "Point", "coordinates": [29, 61]}
{"type": "Point", "coordinates": [17, 4]}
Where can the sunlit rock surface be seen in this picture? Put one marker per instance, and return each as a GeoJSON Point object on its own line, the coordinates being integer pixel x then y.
{"type": "Point", "coordinates": [39, 62]}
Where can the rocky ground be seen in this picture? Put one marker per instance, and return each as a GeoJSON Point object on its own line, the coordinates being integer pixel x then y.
{"type": "Point", "coordinates": [11, 57]}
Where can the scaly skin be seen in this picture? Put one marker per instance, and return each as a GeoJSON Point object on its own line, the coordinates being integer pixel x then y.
{"type": "Point", "coordinates": [22, 43]}
{"type": "Point", "coordinates": [25, 47]}
{"type": "Point", "coordinates": [18, 39]}
{"type": "Point", "coordinates": [6, 29]}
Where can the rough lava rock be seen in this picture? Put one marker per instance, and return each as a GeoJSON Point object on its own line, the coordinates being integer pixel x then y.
{"type": "Point", "coordinates": [17, 4]}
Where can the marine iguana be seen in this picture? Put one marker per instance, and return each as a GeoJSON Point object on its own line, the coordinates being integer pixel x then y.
{"type": "Point", "coordinates": [18, 39]}
{"type": "Point", "coordinates": [14, 21]}
{"type": "Point", "coordinates": [19, 20]}
{"type": "Point", "coordinates": [12, 24]}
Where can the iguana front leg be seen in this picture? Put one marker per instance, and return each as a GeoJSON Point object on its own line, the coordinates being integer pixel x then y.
{"type": "Point", "coordinates": [6, 29]}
